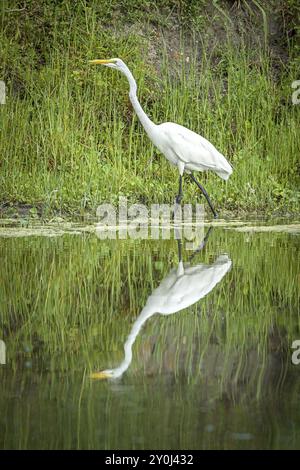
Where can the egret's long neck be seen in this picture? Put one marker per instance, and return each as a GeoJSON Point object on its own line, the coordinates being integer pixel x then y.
{"type": "Point", "coordinates": [141, 319]}
{"type": "Point", "coordinates": [148, 125]}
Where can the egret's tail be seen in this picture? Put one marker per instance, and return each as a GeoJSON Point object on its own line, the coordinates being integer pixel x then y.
{"type": "Point", "coordinates": [225, 172]}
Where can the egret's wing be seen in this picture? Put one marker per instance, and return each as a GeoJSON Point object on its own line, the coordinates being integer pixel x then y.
{"type": "Point", "coordinates": [193, 149]}
{"type": "Point", "coordinates": [199, 280]}
{"type": "Point", "coordinates": [175, 293]}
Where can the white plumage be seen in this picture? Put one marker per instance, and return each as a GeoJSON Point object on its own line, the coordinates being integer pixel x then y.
{"type": "Point", "coordinates": [183, 146]}
{"type": "Point", "coordinates": [186, 284]}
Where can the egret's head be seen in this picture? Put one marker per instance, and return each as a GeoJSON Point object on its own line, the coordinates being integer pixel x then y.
{"type": "Point", "coordinates": [113, 63]}
{"type": "Point", "coordinates": [106, 374]}
{"type": "Point", "coordinates": [117, 64]}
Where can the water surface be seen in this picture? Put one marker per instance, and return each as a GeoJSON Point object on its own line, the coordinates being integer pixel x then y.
{"type": "Point", "coordinates": [215, 373]}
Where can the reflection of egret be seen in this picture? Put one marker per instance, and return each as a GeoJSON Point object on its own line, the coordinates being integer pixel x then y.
{"type": "Point", "coordinates": [182, 287]}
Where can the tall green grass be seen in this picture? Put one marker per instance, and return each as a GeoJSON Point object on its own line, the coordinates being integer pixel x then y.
{"type": "Point", "coordinates": [69, 138]}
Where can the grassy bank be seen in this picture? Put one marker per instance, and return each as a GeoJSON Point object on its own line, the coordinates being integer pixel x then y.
{"type": "Point", "coordinates": [69, 137]}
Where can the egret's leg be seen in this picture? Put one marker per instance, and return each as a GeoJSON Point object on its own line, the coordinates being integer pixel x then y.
{"type": "Point", "coordinates": [179, 246]}
{"type": "Point", "coordinates": [202, 245]}
{"type": "Point", "coordinates": [180, 194]}
{"type": "Point", "coordinates": [178, 197]}
{"type": "Point", "coordinates": [205, 194]}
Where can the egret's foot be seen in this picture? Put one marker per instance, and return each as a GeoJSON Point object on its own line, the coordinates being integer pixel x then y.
{"type": "Point", "coordinates": [216, 216]}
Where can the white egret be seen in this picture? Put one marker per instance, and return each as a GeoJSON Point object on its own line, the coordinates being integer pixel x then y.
{"type": "Point", "coordinates": [182, 147]}
{"type": "Point", "coordinates": [182, 287]}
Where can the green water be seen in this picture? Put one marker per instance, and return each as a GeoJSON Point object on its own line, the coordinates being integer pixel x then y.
{"type": "Point", "coordinates": [217, 374]}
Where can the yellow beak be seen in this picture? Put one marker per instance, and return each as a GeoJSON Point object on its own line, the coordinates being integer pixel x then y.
{"type": "Point", "coordinates": [102, 61]}
{"type": "Point", "coordinates": [99, 375]}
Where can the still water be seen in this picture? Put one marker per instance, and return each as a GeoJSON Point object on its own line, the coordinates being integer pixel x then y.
{"type": "Point", "coordinates": [198, 344]}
